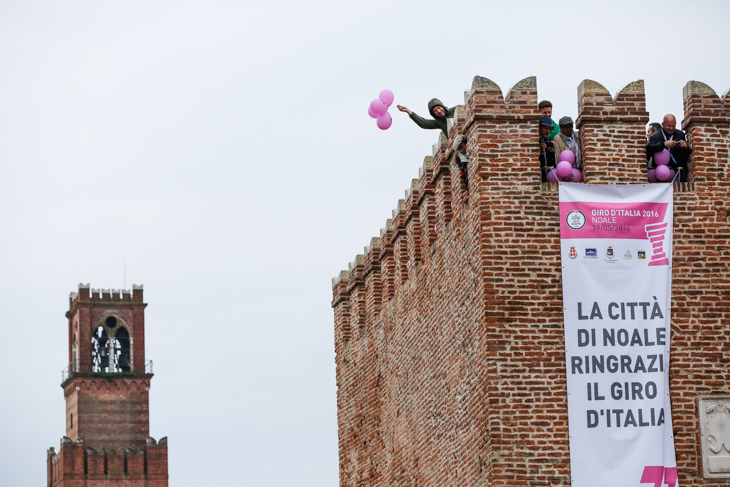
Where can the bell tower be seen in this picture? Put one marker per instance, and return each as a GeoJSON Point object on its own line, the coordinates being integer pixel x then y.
{"type": "Point", "coordinates": [106, 386]}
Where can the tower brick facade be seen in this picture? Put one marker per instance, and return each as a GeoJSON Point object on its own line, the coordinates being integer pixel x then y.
{"type": "Point", "coordinates": [449, 327]}
{"type": "Point", "coordinates": [106, 387]}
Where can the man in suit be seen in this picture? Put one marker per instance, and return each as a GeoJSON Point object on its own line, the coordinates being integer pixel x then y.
{"type": "Point", "coordinates": [674, 140]}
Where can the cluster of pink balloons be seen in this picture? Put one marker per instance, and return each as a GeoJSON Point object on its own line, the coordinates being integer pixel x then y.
{"type": "Point", "coordinates": [379, 109]}
{"type": "Point", "coordinates": [662, 171]}
{"type": "Point", "coordinates": [565, 170]}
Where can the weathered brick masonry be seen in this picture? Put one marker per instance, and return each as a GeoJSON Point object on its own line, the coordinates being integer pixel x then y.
{"type": "Point", "coordinates": [448, 329]}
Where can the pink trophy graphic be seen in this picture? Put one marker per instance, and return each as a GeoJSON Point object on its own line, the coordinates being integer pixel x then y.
{"type": "Point", "coordinates": [655, 232]}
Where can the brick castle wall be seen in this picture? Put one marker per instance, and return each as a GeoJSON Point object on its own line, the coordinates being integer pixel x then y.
{"type": "Point", "coordinates": [448, 328]}
{"type": "Point", "coordinates": [78, 465]}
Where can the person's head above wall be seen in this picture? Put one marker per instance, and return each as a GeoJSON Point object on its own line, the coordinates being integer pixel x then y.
{"type": "Point", "coordinates": [546, 108]}
{"type": "Point", "coordinates": [669, 124]}
{"type": "Point", "coordinates": [436, 108]}
{"type": "Point", "coordinates": [546, 125]}
{"type": "Point", "coordinates": [566, 126]}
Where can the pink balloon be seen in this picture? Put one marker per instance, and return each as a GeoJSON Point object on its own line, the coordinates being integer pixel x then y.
{"type": "Point", "coordinates": [672, 173]}
{"type": "Point", "coordinates": [387, 97]}
{"type": "Point", "coordinates": [662, 158]}
{"type": "Point", "coordinates": [370, 112]}
{"type": "Point", "coordinates": [651, 174]}
{"type": "Point", "coordinates": [378, 107]}
{"type": "Point", "coordinates": [552, 177]}
{"type": "Point", "coordinates": [576, 176]}
{"type": "Point", "coordinates": [663, 173]}
{"type": "Point", "coordinates": [564, 169]}
{"type": "Point", "coordinates": [385, 121]}
{"type": "Point", "coordinates": [567, 155]}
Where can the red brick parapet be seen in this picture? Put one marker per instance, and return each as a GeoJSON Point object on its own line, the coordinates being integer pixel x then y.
{"type": "Point", "coordinates": [596, 104]}
{"type": "Point", "coordinates": [701, 104]}
{"type": "Point", "coordinates": [77, 465]}
{"type": "Point", "coordinates": [707, 119]}
{"type": "Point", "coordinates": [613, 133]}
{"type": "Point", "coordinates": [86, 294]}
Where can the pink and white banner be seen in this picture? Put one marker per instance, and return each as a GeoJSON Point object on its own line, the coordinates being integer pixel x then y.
{"type": "Point", "coordinates": [616, 248]}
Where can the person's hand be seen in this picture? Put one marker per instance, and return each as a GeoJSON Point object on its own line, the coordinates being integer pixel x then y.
{"type": "Point", "coordinates": [404, 109]}
{"type": "Point", "coordinates": [682, 143]}
{"type": "Point", "coordinates": [543, 146]}
{"type": "Point", "coordinates": [464, 197]}
{"type": "Point", "coordinates": [670, 143]}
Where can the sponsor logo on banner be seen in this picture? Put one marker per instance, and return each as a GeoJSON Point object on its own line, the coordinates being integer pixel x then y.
{"type": "Point", "coordinates": [641, 254]}
{"type": "Point", "coordinates": [592, 253]}
{"type": "Point", "coordinates": [576, 219]}
{"type": "Point", "coordinates": [573, 254]}
{"type": "Point", "coordinates": [610, 258]}
{"type": "Point", "coordinates": [627, 254]}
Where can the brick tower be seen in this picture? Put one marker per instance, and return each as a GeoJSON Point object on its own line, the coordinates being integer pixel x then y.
{"type": "Point", "coordinates": [449, 328]}
{"type": "Point", "coordinates": [106, 387]}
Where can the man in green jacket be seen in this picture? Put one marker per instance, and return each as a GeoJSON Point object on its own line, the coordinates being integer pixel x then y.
{"type": "Point", "coordinates": [546, 110]}
{"type": "Point", "coordinates": [439, 113]}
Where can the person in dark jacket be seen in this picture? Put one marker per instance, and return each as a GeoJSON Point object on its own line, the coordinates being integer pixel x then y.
{"type": "Point", "coordinates": [674, 140]}
{"type": "Point", "coordinates": [439, 113]}
{"type": "Point", "coordinates": [653, 128]}
{"type": "Point", "coordinates": [547, 147]}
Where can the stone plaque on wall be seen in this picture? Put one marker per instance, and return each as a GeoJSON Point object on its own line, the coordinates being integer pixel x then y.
{"type": "Point", "coordinates": [715, 436]}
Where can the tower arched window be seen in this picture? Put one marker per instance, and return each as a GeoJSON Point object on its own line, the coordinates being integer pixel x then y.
{"type": "Point", "coordinates": [100, 350]}
{"type": "Point", "coordinates": [75, 355]}
{"type": "Point", "coordinates": [122, 355]}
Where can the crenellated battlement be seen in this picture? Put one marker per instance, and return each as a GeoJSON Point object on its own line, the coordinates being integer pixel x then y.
{"type": "Point", "coordinates": [613, 131]}
{"type": "Point", "coordinates": [701, 104]}
{"type": "Point", "coordinates": [454, 310]}
{"type": "Point", "coordinates": [486, 101]}
{"type": "Point", "coordinates": [428, 206]}
{"type": "Point", "coordinates": [707, 125]}
{"type": "Point", "coordinates": [595, 103]}
{"type": "Point", "coordinates": [77, 461]}
{"type": "Point", "coordinates": [86, 294]}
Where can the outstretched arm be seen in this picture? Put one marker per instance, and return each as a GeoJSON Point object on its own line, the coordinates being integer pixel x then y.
{"type": "Point", "coordinates": [424, 123]}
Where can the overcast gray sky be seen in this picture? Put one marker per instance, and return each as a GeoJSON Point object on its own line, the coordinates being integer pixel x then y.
{"type": "Point", "coordinates": [222, 151]}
